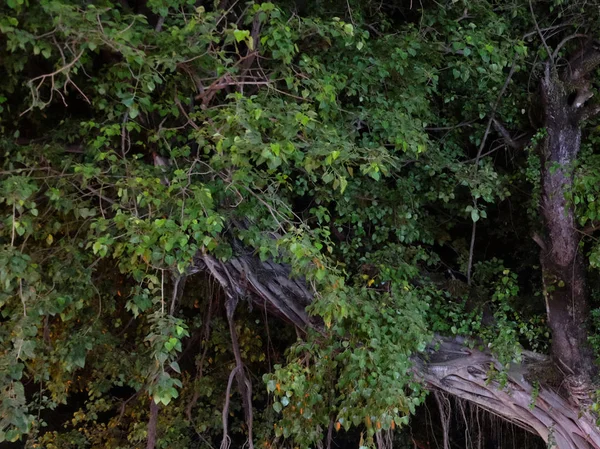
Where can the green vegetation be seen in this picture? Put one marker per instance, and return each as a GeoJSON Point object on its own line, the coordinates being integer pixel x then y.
{"type": "Point", "coordinates": [394, 156]}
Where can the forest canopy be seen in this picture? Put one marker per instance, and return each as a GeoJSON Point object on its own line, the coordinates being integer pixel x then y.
{"type": "Point", "coordinates": [281, 225]}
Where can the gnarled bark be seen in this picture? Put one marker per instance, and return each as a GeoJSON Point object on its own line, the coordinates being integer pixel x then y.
{"type": "Point", "coordinates": [563, 270]}
{"type": "Point", "coordinates": [448, 365]}
{"type": "Point", "coordinates": [464, 373]}
{"type": "Point", "coordinates": [454, 368]}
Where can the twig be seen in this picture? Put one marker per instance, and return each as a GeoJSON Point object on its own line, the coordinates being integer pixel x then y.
{"type": "Point", "coordinates": [562, 43]}
{"type": "Point", "coordinates": [177, 291]}
{"type": "Point", "coordinates": [124, 404]}
{"type": "Point", "coordinates": [14, 227]}
{"type": "Point", "coordinates": [185, 114]}
{"type": "Point", "coordinates": [56, 72]}
{"type": "Point", "coordinates": [162, 292]}
{"type": "Point", "coordinates": [42, 78]}
{"type": "Point", "coordinates": [494, 109]}
{"type": "Point", "coordinates": [22, 297]}
{"type": "Point", "coordinates": [505, 134]}
{"type": "Point", "coordinates": [537, 27]}
{"type": "Point", "coordinates": [330, 432]}
{"type": "Point", "coordinates": [449, 128]}
{"type": "Point", "coordinates": [124, 137]}
{"type": "Point", "coordinates": [471, 248]}
{"type": "Point", "coordinates": [478, 157]}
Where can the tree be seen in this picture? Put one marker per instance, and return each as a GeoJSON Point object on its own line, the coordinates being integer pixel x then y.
{"type": "Point", "coordinates": [179, 178]}
{"type": "Point", "coordinates": [565, 96]}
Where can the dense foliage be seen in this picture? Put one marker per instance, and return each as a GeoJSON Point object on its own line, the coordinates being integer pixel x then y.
{"type": "Point", "coordinates": [365, 144]}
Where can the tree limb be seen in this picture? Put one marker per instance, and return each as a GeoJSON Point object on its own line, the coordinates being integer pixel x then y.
{"type": "Point", "coordinates": [448, 365]}
{"type": "Point", "coordinates": [152, 424]}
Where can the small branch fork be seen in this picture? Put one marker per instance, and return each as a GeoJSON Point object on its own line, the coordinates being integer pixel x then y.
{"type": "Point", "coordinates": [35, 90]}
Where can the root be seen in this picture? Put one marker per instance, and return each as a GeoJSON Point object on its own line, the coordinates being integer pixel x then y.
{"type": "Point", "coordinates": [384, 439]}
{"type": "Point", "coordinates": [226, 440]}
{"type": "Point", "coordinates": [244, 384]}
{"type": "Point", "coordinates": [200, 366]}
{"type": "Point", "coordinates": [444, 406]}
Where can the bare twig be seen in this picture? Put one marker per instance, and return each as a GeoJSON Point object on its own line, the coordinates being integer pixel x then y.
{"type": "Point", "coordinates": [178, 286]}
{"type": "Point", "coordinates": [537, 27]}
{"type": "Point", "coordinates": [494, 109]}
{"type": "Point", "coordinates": [562, 43]}
{"type": "Point", "coordinates": [124, 135]}
{"type": "Point", "coordinates": [505, 135]}
{"type": "Point", "coordinates": [42, 79]}
{"type": "Point", "coordinates": [449, 128]}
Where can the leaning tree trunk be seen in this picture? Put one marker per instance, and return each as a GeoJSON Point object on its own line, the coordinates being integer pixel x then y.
{"type": "Point", "coordinates": [448, 365]}
{"type": "Point", "coordinates": [465, 373]}
{"type": "Point", "coordinates": [564, 97]}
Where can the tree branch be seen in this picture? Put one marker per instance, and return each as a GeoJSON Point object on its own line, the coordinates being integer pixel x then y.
{"type": "Point", "coordinates": [584, 61]}
{"type": "Point", "coordinates": [152, 424]}
{"type": "Point", "coordinates": [589, 112]}
{"type": "Point", "coordinates": [506, 136]}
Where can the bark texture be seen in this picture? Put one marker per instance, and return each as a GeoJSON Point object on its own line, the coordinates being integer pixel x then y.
{"type": "Point", "coordinates": [464, 373]}
{"type": "Point", "coordinates": [565, 96]}
{"type": "Point", "coordinates": [448, 365]}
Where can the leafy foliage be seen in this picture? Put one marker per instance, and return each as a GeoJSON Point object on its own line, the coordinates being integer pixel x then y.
{"type": "Point", "coordinates": [345, 139]}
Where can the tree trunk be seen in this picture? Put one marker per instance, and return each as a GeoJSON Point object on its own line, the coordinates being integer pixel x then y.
{"type": "Point", "coordinates": [564, 98]}
{"type": "Point", "coordinates": [448, 365]}
{"type": "Point", "coordinates": [563, 271]}
{"type": "Point", "coordinates": [464, 373]}
{"type": "Point", "coordinates": [452, 367]}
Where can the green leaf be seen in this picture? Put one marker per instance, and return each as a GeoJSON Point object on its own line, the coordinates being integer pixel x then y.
{"type": "Point", "coordinates": [241, 35]}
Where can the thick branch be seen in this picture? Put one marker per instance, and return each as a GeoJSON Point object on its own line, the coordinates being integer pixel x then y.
{"type": "Point", "coordinates": [448, 365]}
{"type": "Point", "coordinates": [152, 425]}
{"type": "Point", "coordinates": [464, 373]}
{"type": "Point", "coordinates": [584, 61]}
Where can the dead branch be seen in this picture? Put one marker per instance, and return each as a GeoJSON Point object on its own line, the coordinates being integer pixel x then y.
{"type": "Point", "coordinates": [506, 135]}
{"type": "Point", "coordinates": [589, 112]}
{"type": "Point", "coordinates": [35, 91]}
{"type": "Point", "coordinates": [584, 62]}
{"type": "Point", "coordinates": [562, 43]}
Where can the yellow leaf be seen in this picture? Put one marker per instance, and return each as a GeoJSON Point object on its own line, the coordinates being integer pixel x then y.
{"type": "Point", "coordinates": [49, 239]}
